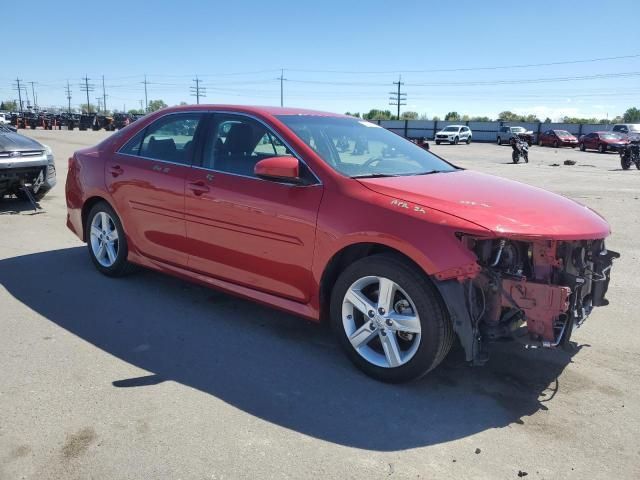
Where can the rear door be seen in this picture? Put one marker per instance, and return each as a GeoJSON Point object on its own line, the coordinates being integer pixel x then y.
{"type": "Point", "coordinates": [243, 229]}
{"type": "Point", "coordinates": [146, 180]}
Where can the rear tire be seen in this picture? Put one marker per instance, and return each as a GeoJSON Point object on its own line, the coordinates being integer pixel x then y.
{"type": "Point", "coordinates": [111, 260]}
{"type": "Point", "coordinates": [414, 295]}
{"type": "Point", "coordinates": [437, 142]}
{"type": "Point", "coordinates": [499, 141]}
{"type": "Point", "coordinates": [602, 148]}
{"type": "Point", "coordinates": [582, 147]}
{"type": "Point", "coordinates": [625, 163]}
{"type": "Point", "coordinates": [456, 140]}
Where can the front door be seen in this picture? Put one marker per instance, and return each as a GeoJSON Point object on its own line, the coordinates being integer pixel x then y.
{"type": "Point", "coordinates": [243, 229]}
{"type": "Point", "coordinates": [146, 181]}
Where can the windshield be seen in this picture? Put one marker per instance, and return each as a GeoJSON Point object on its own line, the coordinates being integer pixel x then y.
{"type": "Point", "coordinates": [517, 129]}
{"type": "Point", "coordinates": [611, 136]}
{"type": "Point", "coordinates": [357, 148]}
{"type": "Point", "coordinates": [450, 129]}
{"type": "Point", "coordinates": [562, 133]}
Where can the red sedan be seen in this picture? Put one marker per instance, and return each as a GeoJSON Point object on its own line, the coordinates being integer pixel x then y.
{"type": "Point", "coordinates": [602, 141]}
{"type": "Point", "coordinates": [334, 218]}
{"type": "Point", "coordinates": [557, 138]}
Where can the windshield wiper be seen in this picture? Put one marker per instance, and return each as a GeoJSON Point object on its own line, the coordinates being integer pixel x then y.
{"type": "Point", "coordinates": [376, 175]}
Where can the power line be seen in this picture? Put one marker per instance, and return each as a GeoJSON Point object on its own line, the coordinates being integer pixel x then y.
{"type": "Point", "coordinates": [198, 91]}
{"type": "Point", "coordinates": [398, 98]}
{"type": "Point", "coordinates": [104, 96]}
{"type": "Point", "coordinates": [33, 91]}
{"type": "Point", "coordinates": [469, 69]}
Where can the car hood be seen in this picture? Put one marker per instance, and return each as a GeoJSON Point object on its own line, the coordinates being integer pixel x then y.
{"type": "Point", "coordinates": [14, 142]}
{"type": "Point", "coordinates": [506, 207]}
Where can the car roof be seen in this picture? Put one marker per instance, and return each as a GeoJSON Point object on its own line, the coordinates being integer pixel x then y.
{"type": "Point", "coordinates": [254, 109]}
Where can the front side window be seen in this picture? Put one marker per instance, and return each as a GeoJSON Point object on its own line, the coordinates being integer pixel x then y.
{"type": "Point", "coordinates": [170, 138]}
{"type": "Point", "coordinates": [357, 148]}
{"type": "Point", "coordinates": [235, 143]}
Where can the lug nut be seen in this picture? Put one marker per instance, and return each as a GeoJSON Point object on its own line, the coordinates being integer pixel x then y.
{"type": "Point", "coordinates": [383, 333]}
{"type": "Point", "coordinates": [389, 322]}
{"type": "Point", "coordinates": [372, 326]}
{"type": "Point", "coordinates": [381, 311]}
{"type": "Point", "coordinates": [371, 313]}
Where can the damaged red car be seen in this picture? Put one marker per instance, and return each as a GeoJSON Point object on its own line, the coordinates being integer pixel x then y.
{"type": "Point", "coordinates": [335, 219]}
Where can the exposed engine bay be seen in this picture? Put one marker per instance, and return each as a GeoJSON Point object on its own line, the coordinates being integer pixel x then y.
{"type": "Point", "coordinates": [533, 292]}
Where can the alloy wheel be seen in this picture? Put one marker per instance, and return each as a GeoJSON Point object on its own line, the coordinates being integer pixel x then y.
{"type": "Point", "coordinates": [104, 239]}
{"type": "Point", "coordinates": [381, 322]}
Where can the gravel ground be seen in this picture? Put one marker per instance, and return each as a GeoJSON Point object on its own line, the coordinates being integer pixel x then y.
{"type": "Point", "coordinates": [152, 377]}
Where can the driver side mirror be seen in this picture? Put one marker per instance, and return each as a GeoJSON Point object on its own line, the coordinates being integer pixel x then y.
{"type": "Point", "coordinates": [285, 168]}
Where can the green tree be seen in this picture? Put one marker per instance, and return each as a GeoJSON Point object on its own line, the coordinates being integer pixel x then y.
{"type": "Point", "coordinates": [135, 111]}
{"type": "Point", "coordinates": [356, 114]}
{"type": "Point", "coordinates": [9, 105]}
{"type": "Point", "coordinates": [182, 104]}
{"type": "Point", "coordinates": [409, 116]}
{"type": "Point", "coordinates": [92, 108]}
{"type": "Point", "coordinates": [375, 114]}
{"type": "Point", "coordinates": [547, 120]}
{"type": "Point", "coordinates": [632, 115]}
{"type": "Point", "coordinates": [156, 105]}
{"type": "Point", "coordinates": [436, 118]}
{"type": "Point", "coordinates": [479, 119]}
{"type": "Point", "coordinates": [452, 117]}
{"type": "Point", "coordinates": [508, 116]}
{"type": "Point", "coordinates": [530, 118]}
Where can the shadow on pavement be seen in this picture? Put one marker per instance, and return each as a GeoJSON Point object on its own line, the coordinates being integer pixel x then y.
{"type": "Point", "coordinates": [273, 365]}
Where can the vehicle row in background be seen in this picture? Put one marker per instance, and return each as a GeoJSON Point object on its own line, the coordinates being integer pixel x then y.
{"type": "Point", "coordinates": [603, 141]}
{"type": "Point", "coordinates": [69, 121]}
{"type": "Point", "coordinates": [506, 133]}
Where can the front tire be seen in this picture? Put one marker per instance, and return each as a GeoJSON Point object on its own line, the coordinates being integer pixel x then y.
{"type": "Point", "coordinates": [437, 142]}
{"type": "Point", "coordinates": [602, 148]}
{"type": "Point", "coordinates": [499, 141]}
{"type": "Point", "coordinates": [106, 241]}
{"type": "Point", "coordinates": [468, 140]}
{"type": "Point", "coordinates": [582, 147]}
{"type": "Point", "coordinates": [456, 140]}
{"type": "Point", "coordinates": [555, 144]}
{"type": "Point", "coordinates": [390, 319]}
{"type": "Point", "coordinates": [515, 156]}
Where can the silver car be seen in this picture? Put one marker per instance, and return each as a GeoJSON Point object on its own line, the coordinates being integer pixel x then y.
{"type": "Point", "coordinates": [25, 163]}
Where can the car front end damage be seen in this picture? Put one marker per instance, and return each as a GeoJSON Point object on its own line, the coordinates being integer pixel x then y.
{"type": "Point", "coordinates": [31, 169]}
{"type": "Point", "coordinates": [535, 292]}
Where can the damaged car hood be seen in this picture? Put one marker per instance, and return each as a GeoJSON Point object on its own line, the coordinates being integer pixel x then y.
{"type": "Point", "coordinates": [506, 207]}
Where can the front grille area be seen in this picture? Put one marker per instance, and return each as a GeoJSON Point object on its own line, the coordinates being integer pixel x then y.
{"type": "Point", "coordinates": [28, 153]}
{"type": "Point", "coordinates": [16, 176]}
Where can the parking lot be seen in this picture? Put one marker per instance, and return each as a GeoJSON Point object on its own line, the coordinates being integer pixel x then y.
{"type": "Point", "coordinates": [152, 377]}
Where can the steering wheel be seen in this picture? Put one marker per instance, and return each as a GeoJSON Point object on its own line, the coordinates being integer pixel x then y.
{"type": "Point", "coordinates": [371, 161]}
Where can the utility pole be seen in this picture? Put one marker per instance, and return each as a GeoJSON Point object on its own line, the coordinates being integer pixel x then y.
{"type": "Point", "coordinates": [33, 92]}
{"type": "Point", "coordinates": [104, 96]}
{"type": "Point", "coordinates": [398, 98]}
{"type": "Point", "coordinates": [99, 101]}
{"type": "Point", "coordinates": [19, 88]}
{"type": "Point", "coordinates": [87, 87]}
{"type": "Point", "coordinates": [198, 91]}
{"type": "Point", "coordinates": [141, 105]}
{"type": "Point", "coordinates": [282, 79]}
{"type": "Point", "coordinates": [69, 97]}
{"type": "Point", "coordinates": [146, 98]}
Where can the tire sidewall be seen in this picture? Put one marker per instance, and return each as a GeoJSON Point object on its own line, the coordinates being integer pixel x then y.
{"type": "Point", "coordinates": [426, 300]}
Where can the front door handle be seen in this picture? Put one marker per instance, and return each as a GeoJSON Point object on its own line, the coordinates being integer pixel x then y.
{"type": "Point", "coordinates": [198, 188]}
{"type": "Point", "coordinates": [116, 170]}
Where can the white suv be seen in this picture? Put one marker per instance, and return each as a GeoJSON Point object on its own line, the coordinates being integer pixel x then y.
{"type": "Point", "coordinates": [454, 134]}
{"type": "Point", "coordinates": [4, 119]}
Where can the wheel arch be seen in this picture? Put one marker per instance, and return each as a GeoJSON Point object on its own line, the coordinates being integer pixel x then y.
{"type": "Point", "coordinates": [345, 257]}
{"type": "Point", "coordinates": [86, 208]}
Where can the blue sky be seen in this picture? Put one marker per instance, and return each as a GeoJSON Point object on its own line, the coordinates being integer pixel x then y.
{"type": "Point", "coordinates": [337, 55]}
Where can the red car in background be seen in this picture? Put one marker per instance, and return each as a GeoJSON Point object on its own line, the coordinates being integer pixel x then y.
{"type": "Point", "coordinates": [398, 249]}
{"type": "Point", "coordinates": [557, 138]}
{"type": "Point", "coordinates": [602, 141]}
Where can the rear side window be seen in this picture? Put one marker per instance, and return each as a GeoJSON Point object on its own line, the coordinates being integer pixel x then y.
{"type": "Point", "coordinates": [169, 139]}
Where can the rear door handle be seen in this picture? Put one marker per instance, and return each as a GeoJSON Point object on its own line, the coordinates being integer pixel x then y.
{"type": "Point", "coordinates": [198, 188]}
{"type": "Point", "coordinates": [116, 170]}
